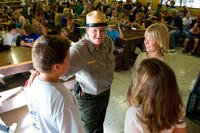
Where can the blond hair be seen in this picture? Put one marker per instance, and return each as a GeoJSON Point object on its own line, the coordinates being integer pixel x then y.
{"type": "Point", "coordinates": [159, 33]}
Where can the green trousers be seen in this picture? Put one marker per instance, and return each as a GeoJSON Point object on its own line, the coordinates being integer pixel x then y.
{"type": "Point", "coordinates": [92, 109]}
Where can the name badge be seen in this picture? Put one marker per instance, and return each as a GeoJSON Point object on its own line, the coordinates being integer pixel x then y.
{"type": "Point", "coordinates": [91, 62]}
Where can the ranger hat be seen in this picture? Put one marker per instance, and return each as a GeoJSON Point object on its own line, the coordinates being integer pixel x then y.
{"type": "Point", "coordinates": [95, 19]}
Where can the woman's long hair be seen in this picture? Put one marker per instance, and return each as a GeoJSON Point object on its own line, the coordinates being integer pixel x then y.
{"type": "Point", "coordinates": [156, 92]}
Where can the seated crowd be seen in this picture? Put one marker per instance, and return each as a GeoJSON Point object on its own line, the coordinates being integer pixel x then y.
{"type": "Point", "coordinates": [49, 18]}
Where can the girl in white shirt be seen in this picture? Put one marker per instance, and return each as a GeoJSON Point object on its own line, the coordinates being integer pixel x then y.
{"type": "Point", "coordinates": [155, 102]}
{"type": "Point", "coordinates": [11, 36]}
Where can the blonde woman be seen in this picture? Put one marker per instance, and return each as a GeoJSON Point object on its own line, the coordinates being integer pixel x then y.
{"type": "Point", "coordinates": [156, 45]}
{"type": "Point", "coordinates": [155, 102]}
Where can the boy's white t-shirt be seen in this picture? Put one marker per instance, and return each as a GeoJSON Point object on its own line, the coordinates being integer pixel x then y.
{"type": "Point", "coordinates": [53, 108]}
{"type": "Point", "coordinates": [133, 125]}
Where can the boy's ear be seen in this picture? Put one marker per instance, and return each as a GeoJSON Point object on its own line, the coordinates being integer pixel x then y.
{"type": "Point", "coordinates": [56, 67]}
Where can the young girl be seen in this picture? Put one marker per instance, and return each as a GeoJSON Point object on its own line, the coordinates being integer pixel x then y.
{"type": "Point", "coordinates": [156, 105]}
{"type": "Point", "coordinates": [156, 45]}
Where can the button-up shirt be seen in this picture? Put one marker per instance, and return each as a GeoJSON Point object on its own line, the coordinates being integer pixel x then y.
{"type": "Point", "coordinates": [93, 67]}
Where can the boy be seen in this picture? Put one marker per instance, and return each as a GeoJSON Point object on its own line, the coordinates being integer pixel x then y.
{"type": "Point", "coordinates": [52, 106]}
{"type": "Point", "coordinates": [28, 37]}
{"type": "Point", "coordinates": [114, 31]}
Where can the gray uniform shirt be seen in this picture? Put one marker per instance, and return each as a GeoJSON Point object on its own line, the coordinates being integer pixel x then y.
{"type": "Point", "coordinates": [92, 67]}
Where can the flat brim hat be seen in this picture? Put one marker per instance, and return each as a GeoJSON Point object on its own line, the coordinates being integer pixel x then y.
{"type": "Point", "coordinates": [96, 19]}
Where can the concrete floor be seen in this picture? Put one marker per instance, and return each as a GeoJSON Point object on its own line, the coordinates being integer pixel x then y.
{"type": "Point", "coordinates": [186, 69]}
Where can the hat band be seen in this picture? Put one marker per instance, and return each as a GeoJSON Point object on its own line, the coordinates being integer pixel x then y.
{"type": "Point", "coordinates": [96, 24]}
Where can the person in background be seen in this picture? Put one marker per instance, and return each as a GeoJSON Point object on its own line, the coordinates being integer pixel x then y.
{"type": "Point", "coordinates": [64, 33]}
{"type": "Point", "coordinates": [175, 25]}
{"type": "Point", "coordinates": [28, 9]}
{"type": "Point", "coordinates": [184, 10]}
{"type": "Point", "coordinates": [119, 7]}
{"type": "Point", "coordinates": [79, 7]}
{"type": "Point", "coordinates": [19, 20]}
{"type": "Point", "coordinates": [147, 9]}
{"type": "Point", "coordinates": [58, 15]}
{"type": "Point", "coordinates": [192, 35]}
{"type": "Point", "coordinates": [156, 45]}
{"type": "Point", "coordinates": [155, 102]}
{"type": "Point", "coordinates": [28, 37]}
{"type": "Point", "coordinates": [107, 10]}
{"type": "Point", "coordinates": [70, 22]}
{"type": "Point", "coordinates": [11, 37]}
{"type": "Point", "coordinates": [127, 8]}
{"type": "Point", "coordinates": [187, 21]}
{"type": "Point", "coordinates": [54, 109]}
{"type": "Point", "coordinates": [89, 57]}
{"type": "Point", "coordinates": [38, 27]}
{"type": "Point", "coordinates": [157, 13]}
{"type": "Point", "coordinates": [63, 18]}
{"type": "Point", "coordinates": [39, 15]}
{"type": "Point", "coordinates": [138, 23]}
{"type": "Point", "coordinates": [170, 5]}
{"type": "Point", "coordinates": [114, 16]}
{"type": "Point", "coordinates": [114, 31]}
